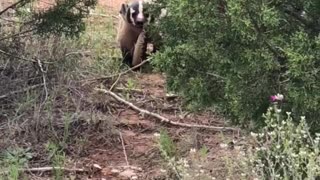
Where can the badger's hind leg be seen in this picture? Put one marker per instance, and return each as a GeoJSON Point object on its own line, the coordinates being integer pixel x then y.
{"type": "Point", "coordinates": [127, 57]}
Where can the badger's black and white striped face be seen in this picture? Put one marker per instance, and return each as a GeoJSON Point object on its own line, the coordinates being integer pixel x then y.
{"type": "Point", "coordinates": [134, 13]}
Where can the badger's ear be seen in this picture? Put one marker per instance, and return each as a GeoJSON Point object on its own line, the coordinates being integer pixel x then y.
{"type": "Point", "coordinates": [123, 9]}
{"type": "Point", "coordinates": [128, 14]}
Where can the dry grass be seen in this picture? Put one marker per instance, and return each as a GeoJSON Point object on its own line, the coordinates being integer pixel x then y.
{"type": "Point", "coordinates": [59, 109]}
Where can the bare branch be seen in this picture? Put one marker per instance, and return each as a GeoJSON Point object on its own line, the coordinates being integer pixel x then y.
{"type": "Point", "coordinates": [44, 81]}
{"type": "Point", "coordinates": [163, 119]}
{"type": "Point", "coordinates": [124, 149]}
{"type": "Point", "coordinates": [25, 59]}
{"type": "Point", "coordinates": [12, 6]}
{"type": "Point", "coordinates": [17, 34]}
{"type": "Point", "coordinates": [115, 83]}
{"type": "Point", "coordinates": [45, 169]}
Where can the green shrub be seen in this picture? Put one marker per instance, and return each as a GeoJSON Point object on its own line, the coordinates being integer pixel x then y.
{"type": "Point", "coordinates": [286, 150]}
{"type": "Point", "coordinates": [236, 53]}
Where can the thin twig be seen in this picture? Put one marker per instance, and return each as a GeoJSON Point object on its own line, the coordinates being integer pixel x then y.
{"type": "Point", "coordinates": [163, 119]}
{"type": "Point", "coordinates": [44, 81]}
{"type": "Point", "coordinates": [45, 169]}
{"type": "Point", "coordinates": [25, 59]}
{"type": "Point", "coordinates": [119, 74]}
{"type": "Point", "coordinates": [17, 34]}
{"type": "Point", "coordinates": [12, 6]}
{"type": "Point", "coordinates": [77, 52]}
{"type": "Point", "coordinates": [124, 149]}
{"type": "Point", "coordinates": [20, 91]}
{"type": "Point", "coordinates": [129, 89]}
{"type": "Point", "coordinates": [115, 83]}
{"type": "Point", "coordinates": [96, 14]}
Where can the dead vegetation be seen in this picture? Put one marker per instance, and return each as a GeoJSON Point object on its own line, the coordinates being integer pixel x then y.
{"type": "Point", "coordinates": [52, 116]}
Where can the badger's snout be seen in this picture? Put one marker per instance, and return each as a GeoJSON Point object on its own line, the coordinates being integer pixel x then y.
{"type": "Point", "coordinates": [140, 19]}
{"type": "Point", "coordinates": [139, 23]}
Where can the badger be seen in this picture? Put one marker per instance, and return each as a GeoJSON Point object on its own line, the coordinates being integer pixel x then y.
{"type": "Point", "coordinates": [131, 36]}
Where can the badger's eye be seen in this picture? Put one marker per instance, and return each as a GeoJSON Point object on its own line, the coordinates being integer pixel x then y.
{"type": "Point", "coordinates": [135, 13]}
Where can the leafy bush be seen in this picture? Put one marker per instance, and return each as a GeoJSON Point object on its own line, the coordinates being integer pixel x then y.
{"type": "Point", "coordinates": [189, 167]}
{"type": "Point", "coordinates": [236, 53]}
{"type": "Point", "coordinates": [286, 150]}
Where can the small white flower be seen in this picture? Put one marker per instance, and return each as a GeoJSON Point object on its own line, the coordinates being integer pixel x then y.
{"type": "Point", "coordinates": [303, 118]}
{"type": "Point", "coordinates": [222, 145]}
{"type": "Point", "coordinates": [156, 134]}
{"type": "Point", "coordinates": [278, 146]}
{"type": "Point", "coordinates": [302, 153]}
{"type": "Point", "coordinates": [288, 113]}
{"type": "Point", "coordinates": [280, 97]}
{"type": "Point", "coordinates": [253, 134]}
{"type": "Point", "coordinates": [270, 133]}
{"type": "Point", "coordinates": [294, 155]}
{"type": "Point", "coordinates": [193, 150]}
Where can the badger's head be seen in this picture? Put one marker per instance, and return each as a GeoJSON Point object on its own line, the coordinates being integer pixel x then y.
{"type": "Point", "coordinates": [133, 13]}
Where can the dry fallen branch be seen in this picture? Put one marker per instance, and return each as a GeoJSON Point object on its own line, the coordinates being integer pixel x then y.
{"type": "Point", "coordinates": [163, 119]}
{"type": "Point", "coordinates": [45, 169]}
{"type": "Point", "coordinates": [124, 149]}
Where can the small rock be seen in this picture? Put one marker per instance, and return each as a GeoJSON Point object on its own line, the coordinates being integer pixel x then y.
{"type": "Point", "coordinates": [127, 173]}
{"type": "Point", "coordinates": [134, 177]}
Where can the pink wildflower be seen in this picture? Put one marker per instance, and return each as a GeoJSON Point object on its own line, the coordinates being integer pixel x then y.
{"type": "Point", "coordinates": [273, 98]}
{"type": "Point", "coordinates": [278, 97]}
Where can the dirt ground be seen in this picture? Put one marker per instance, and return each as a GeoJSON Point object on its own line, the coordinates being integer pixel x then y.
{"type": "Point", "coordinates": [138, 131]}
{"type": "Point", "coordinates": [134, 154]}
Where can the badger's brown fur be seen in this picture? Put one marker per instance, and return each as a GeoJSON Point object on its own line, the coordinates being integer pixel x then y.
{"type": "Point", "coordinates": [140, 49]}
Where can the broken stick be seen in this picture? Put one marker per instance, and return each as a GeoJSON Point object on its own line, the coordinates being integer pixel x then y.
{"type": "Point", "coordinates": [163, 119]}
{"type": "Point", "coordinates": [45, 169]}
